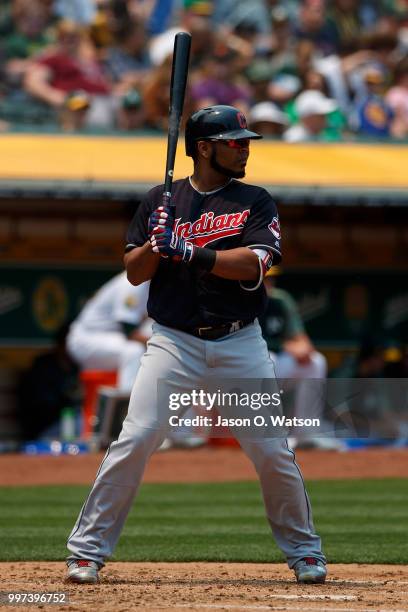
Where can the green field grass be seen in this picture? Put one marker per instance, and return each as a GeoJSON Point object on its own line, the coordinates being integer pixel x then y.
{"type": "Point", "coordinates": [360, 521]}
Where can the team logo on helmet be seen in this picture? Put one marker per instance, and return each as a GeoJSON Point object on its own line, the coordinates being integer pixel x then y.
{"type": "Point", "coordinates": [241, 120]}
{"type": "Point", "coordinates": [274, 227]}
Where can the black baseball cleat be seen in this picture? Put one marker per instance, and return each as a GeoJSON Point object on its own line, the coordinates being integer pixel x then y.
{"type": "Point", "coordinates": [310, 571]}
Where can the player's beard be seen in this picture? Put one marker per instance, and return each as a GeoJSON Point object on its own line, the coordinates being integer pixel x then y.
{"type": "Point", "coordinates": [222, 170]}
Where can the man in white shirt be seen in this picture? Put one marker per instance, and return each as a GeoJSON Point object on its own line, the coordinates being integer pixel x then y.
{"type": "Point", "coordinates": [111, 331]}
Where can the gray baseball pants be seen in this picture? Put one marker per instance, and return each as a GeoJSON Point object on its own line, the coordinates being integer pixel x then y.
{"type": "Point", "coordinates": [187, 362]}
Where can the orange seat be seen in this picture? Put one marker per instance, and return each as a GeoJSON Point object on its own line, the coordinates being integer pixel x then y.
{"type": "Point", "coordinates": [223, 437]}
{"type": "Point", "coordinates": [91, 381]}
{"type": "Point", "coordinates": [223, 442]}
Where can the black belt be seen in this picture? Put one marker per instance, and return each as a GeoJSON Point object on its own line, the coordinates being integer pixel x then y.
{"type": "Point", "coordinates": [218, 331]}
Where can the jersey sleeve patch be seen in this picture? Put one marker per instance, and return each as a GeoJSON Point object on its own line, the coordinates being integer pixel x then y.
{"type": "Point", "coordinates": [274, 227]}
{"type": "Point", "coordinates": [263, 229]}
{"type": "Point", "coordinates": [265, 259]}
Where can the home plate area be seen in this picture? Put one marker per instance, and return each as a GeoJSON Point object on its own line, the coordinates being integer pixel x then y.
{"type": "Point", "coordinates": [215, 586]}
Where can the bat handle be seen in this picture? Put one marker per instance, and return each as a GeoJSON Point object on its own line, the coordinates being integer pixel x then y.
{"type": "Point", "coordinates": [167, 201]}
{"type": "Point", "coordinates": [167, 198]}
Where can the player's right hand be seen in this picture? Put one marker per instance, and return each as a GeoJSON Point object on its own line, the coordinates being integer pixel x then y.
{"type": "Point", "coordinates": [165, 242]}
{"type": "Point", "coordinates": [161, 217]}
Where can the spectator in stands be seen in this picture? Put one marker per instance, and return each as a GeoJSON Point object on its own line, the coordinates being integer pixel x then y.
{"type": "Point", "coordinates": [127, 61]}
{"type": "Point", "coordinates": [156, 98]}
{"type": "Point", "coordinates": [79, 11]}
{"type": "Point", "coordinates": [289, 7]}
{"type": "Point", "coordinates": [312, 108]}
{"type": "Point", "coordinates": [373, 115]}
{"type": "Point", "coordinates": [69, 67]}
{"type": "Point", "coordinates": [287, 82]}
{"type": "Point", "coordinates": [130, 115]}
{"type": "Point", "coordinates": [397, 100]}
{"type": "Point", "coordinates": [202, 43]}
{"type": "Point", "coordinates": [109, 50]}
{"type": "Point", "coordinates": [346, 21]}
{"type": "Point", "coordinates": [220, 82]}
{"type": "Point", "coordinates": [312, 25]}
{"type": "Point", "coordinates": [259, 74]}
{"type": "Point", "coordinates": [203, 38]}
{"type": "Point", "coordinates": [27, 35]}
{"type": "Point", "coordinates": [127, 65]}
{"type": "Point", "coordinates": [267, 119]}
{"type": "Point", "coordinates": [160, 16]}
{"type": "Point", "coordinates": [231, 13]}
{"type": "Point", "coordinates": [335, 121]}
{"type": "Point", "coordinates": [282, 43]}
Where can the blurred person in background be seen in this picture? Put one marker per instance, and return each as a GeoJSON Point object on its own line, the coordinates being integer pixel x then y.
{"type": "Point", "coordinates": [259, 74]}
{"type": "Point", "coordinates": [231, 13]}
{"type": "Point", "coordinates": [377, 50]}
{"type": "Point", "coordinates": [79, 11]}
{"type": "Point", "coordinates": [71, 66]}
{"type": "Point", "coordinates": [195, 21]}
{"type": "Point", "coordinates": [130, 115]}
{"type": "Point", "coordinates": [111, 331]}
{"type": "Point", "coordinates": [336, 120]}
{"type": "Point", "coordinates": [346, 20]}
{"type": "Point", "coordinates": [267, 119]}
{"type": "Point", "coordinates": [220, 81]}
{"type": "Point", "coordinates": [160, 16]}
{"type": "Point", "coordinates": [312, 108]}
{"type": "Point", "coordinates": [312, 25]}
{"type": "Point", "coordinates": [46, 388]}
{"type": "Point", "coordinates": [337, 69]}
{"type": "Point", "coordinates": [287, 81]}
{"type": "Point", "coordinates": [295, 358]}
{"type": "Point", "coordinates": [282, 55]}
{"type": "Point", "coordinates": [397, 100]}
{"type": "Point", "coordinates": [142, 9]}
{"type": "Point", "coordinates": [203, 36]}
{"type": "Point", "coordinates": [291, 7]}
{"type": "Point", "coordinates": [373, 115]}
{"type": "Point", "coordinates": [26, 35]}
{"type": "Point", "coordinates": [244, 39]}
{"type": "Point", "coordinates": [156, 97]}
{"type": "Point", "coordinates": [127, 62]}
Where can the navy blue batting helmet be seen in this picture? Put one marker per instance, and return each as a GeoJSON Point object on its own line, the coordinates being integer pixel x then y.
{"type": "Point", "coordinates": [218, 122]}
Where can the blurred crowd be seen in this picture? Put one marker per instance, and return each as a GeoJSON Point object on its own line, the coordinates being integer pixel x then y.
{"type": "Point", "coordinates": [300, 70]}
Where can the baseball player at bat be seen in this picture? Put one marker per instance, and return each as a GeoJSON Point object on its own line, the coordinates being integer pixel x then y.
{"type": "Point", "coordinates": [206, 257]}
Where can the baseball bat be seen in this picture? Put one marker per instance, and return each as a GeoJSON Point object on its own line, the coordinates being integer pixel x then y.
{"type": "Point", "coordinates": [181, 56]}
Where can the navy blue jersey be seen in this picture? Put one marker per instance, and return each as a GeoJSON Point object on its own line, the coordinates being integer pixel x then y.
{"type": "Point", "coordinates": [238, 215]}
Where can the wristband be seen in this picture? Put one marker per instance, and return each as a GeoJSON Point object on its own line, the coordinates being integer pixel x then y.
{"type": "Point", "coordinates": [203, 259]}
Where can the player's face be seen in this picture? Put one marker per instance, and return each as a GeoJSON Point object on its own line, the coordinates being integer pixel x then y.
{"type": "Point", "coordinates": [229, 157]}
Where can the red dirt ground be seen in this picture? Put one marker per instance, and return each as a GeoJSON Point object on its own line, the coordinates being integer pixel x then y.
{"type": "Point", "coordinates": [211, 464]}
{"type": "Point", "coordinates": [215, 586]}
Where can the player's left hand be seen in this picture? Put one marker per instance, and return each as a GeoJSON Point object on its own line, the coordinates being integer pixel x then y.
{"type": "Point", "coordinates": [168, 244]}
{"type": "Point", "coordinates": [161, 217]}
